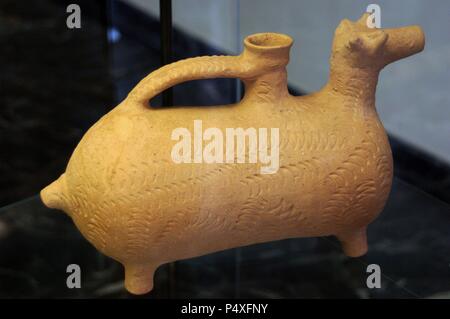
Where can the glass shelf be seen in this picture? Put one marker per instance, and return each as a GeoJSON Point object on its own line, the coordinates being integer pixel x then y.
{"type": "Point", "coordinates": [409, 241]}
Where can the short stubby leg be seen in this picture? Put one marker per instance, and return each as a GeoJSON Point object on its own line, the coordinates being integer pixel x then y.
{"type": "Point", "coordinates": [139, 278]}
{"type": "Point", "coordinates": [354, 243]}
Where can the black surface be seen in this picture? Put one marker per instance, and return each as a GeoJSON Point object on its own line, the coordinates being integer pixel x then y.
{"type": "Point", "coordinates": [421, 169]}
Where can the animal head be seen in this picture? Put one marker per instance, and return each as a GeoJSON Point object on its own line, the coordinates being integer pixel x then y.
{"type": "Point", "coordinates": [357, 45]}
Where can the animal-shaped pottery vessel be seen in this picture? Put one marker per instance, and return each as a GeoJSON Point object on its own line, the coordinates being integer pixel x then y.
{"type": "Point", "coordinates": [136, 204]}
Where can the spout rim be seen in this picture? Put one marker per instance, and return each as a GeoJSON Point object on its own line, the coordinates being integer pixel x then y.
{"type": "Point", "coordinates": [268, 41]}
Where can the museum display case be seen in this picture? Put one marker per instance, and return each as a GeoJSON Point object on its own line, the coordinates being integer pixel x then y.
{"type": "Point", "coordinates": [60, 79]}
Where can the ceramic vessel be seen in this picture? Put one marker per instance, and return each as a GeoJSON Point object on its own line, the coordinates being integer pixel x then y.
{"type": "Point", "coordinates": [130, 199]}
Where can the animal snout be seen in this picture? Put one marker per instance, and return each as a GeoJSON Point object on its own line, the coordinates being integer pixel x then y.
{"type": "Point", "coordinates": [403, 42]}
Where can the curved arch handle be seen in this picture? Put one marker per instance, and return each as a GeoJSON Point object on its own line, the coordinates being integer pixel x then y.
{"type": "Point", "coordinates": [263, 52]}
{"type": "Point", "coordinates": [204, 67]}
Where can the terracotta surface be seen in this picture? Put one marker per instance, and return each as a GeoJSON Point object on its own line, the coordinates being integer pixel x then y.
{"type": "Point", "coordinates": [129, 199]}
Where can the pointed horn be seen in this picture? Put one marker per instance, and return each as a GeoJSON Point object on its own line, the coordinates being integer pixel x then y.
{"type": "Point", "coordinates": [363, 20]}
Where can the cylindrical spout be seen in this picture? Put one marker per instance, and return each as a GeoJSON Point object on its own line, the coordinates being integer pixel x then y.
{"type": "Point", "coordinates": [267, 54]}
{"type": "Point", "coordinates": [269, 50]}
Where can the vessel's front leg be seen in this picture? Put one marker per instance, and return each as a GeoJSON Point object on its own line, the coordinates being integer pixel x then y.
{"type": "Point", "coordinates": [354, 242]}
{"type": "Point", "coordinates": [139, 278]}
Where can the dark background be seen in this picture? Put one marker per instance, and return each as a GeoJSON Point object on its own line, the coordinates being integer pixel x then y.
{"type": "Point", "coordinates": [54, 84]}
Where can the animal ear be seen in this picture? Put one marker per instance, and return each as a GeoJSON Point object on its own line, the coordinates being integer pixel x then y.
{"type": "Point", "coordinates": [369, 42]}
{"type": "Point", "coordinates": [363, 20]}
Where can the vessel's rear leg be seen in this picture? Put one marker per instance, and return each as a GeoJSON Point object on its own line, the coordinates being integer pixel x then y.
{"type": "Point", "coordinates": [354, 243]}
{"type": "Point", "coordinates": [139, 278]}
